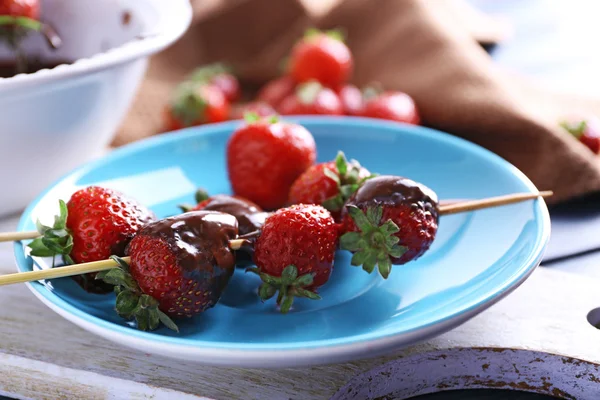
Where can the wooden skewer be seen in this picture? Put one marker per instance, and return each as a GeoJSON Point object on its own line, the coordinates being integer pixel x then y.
{"type": "Point", "coordinates": [472, 205]}
{"type": "Point", "coordinates": [78, 269]}
{"type": "Point", "coordinates": [445, 209]}
{"type": "Point", "coordinates": [16, 236]}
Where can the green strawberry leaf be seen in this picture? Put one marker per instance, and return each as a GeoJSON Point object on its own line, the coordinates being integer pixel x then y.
{"type": "Point", "coordinates": [289, 274]}
{"type": "Point", "coordinates": [186, 207]}
{"type": "Point", "coordinates": [287, 286]}
{"type": "Point", "coordinates": [251, 117]}
{"type": "Point", "coordinates": [168, 322]}
{"type": "Point", "coordinates": [201, 195]}
{"type": "Point", "coordinates": [332, 175]}
{"type": "Point", "coordinates": [127, 302]}
{"type": "Point", "coordinates": [286, 304]}
{"type": "Point", "coordinates": [341, 163]}
{"type": "Point", "coordinates": [375, 244]}
{"type": "Point", "coordinates": [38, 249]}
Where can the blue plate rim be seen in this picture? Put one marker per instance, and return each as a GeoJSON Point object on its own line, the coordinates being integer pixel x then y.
{"type": "Point", "coordinates": [370, 339]}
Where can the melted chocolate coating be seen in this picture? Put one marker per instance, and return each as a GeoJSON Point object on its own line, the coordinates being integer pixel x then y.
{"type": "Point", "coordinates": [389, 189]}
{"type": "Point", "coordinates": [249, 215]}
{"type": "Point", "coordinates": [199, 239]}
{"type": "Point", "coordinates": [200, 242]}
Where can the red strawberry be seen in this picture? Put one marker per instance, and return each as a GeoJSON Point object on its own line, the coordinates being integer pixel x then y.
{"type": "Point", "coordinates": [587, 131]}
{"type": "Point", "coordinates": [329, 184]}
{"type": "Point", "coordinates": [196, 104]}
{"type": "Point", "coordinates": [95, 224]}
{"type": "Point", "coordinates": [389, 220]}
{"type": "Point", "coordinates": [264, 158]}
{"type": "Point", "coordinates": [352, 100]}
{"type": "Point", "coordinates": [294, 253]}
{"type": "Point", "coordinates": [219, 76]}
{"type": "Point", "coordinates": [260, 108]}
{"type": "Point", "coordinates": [321, 56]}
{"type": "Point", "coordinates": [179, 267]}
{"type": "Point", "coordinates": [312, 98]}
{"type": "Point", "coordinates": [20, 8]}
{"type": "Point", "coordinates": [394, 106]}
{"type": "Point", "coordinates": [276, 90]}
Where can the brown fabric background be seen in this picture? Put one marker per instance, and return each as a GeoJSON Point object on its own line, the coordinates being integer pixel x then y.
{"type": "Point", "coordinates": [412, 45]}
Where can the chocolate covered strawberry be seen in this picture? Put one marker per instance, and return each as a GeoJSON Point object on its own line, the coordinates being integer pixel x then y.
{"type": "Point", "coordinates": [329, 184]}
{"type": "Point", "coordinates": [389, 220]}
{"type": "Point", "coordinates": [94, 224]}
{"type": "Point", "coordinates": [264, 158]}
{"type": "Point", "coordinates": [249, 215]}
{"type": "Point", "coordinates": [294, 253]}
{"type": "Point", "coordinates": [178, 267]}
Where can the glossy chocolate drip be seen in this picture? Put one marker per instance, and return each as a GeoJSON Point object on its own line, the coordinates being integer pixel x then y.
{"type": "Point", "coordinates": [200, 241]}
{"type": "Point", "coordinates": [388, 189]}
{"type": "Point", "coordinates": [249, 215]}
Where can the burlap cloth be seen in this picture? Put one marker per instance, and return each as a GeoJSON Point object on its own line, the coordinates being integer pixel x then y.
{"type": "Point", "coordinates": [416, 46]}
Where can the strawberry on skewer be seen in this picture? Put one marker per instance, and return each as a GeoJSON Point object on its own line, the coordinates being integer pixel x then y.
{"type": "Point", "coordinates": [250, 216]}
{"type": "Point", "coordinates": [93, 225]}
{"type": "Point", "coordinates": [329, 184]}
{"type": "Point", "coordinates": [294, 253]}
{"type": "Point", "coordinates": [391, 220]}
{"type": "Point", "coordinates": [175, 267]}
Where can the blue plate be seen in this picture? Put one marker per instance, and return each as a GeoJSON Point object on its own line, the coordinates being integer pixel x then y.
{"type": "Point", "coordinates": [476, 259]}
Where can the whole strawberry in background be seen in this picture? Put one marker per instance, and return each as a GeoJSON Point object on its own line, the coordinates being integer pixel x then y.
{"type": "Point", "coordinates": [352, 99]}
{"type": "Point", "coordinates": [219, 76]}
{"type": "Point", "coordinates": [179, 267]}
{"type": "Point", "coordinates": [390, 105]}
{"type": "Point", "coordinates": [329, 184]}
{"type": "Point", "coordinates": [311, 98]}
{"type": "Point", "coordinates": [275, 91]}
{"type": "Point", "coordinates": [389, 220]}
{"type": "Point", "coordinates": [586, 130]}
{"type": "Point", "coordinates": [294, 253]}
{"type": "Point", "coordinates": [321, 56]}
{"type": "Point", "coordinates": [196, 103]}
{"type": "Point", "coordinates": [264, 158]}
{"type": "Point", "coordinates": [93, 225]}
{"type": "Point", "coordinates": [260, 108]}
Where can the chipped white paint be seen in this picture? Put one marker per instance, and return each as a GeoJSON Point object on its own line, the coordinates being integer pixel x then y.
{"type": "Point", "coordinates": [548, 313]}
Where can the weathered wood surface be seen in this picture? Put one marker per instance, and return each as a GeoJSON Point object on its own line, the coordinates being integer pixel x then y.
{"type": "Point", "coordinates": [547, 313]}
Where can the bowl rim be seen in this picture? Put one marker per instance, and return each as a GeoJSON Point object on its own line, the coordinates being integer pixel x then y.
{"type": "Point", "coordinates": [175, 18]}
{"type": "Point", "coordinates": [315, 352]}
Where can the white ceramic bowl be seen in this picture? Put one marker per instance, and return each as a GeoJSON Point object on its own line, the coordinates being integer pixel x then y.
{"type": "Point", "coordinates": [56, 119]}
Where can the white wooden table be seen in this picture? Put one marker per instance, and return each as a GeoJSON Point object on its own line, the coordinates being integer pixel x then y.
{"type": "Point", "coordinates": [537, 339]}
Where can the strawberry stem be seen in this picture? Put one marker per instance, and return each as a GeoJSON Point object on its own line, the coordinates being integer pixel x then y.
{"type": "Point", "coordinates": [131, 303]}
{"type": "Point", "coordinates": [375, 244]}
{"type": "Point", "coordinates": [287, 286]}
{"type": "Point", "coordinates": [55, 239]}
{"type": "Point", "coordinates": [348, 181]}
